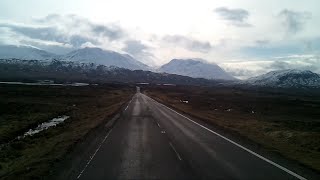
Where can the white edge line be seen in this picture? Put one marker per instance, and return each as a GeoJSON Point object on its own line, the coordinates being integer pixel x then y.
{"type": "Point", "coordinates": [178, 155]}
{"type": "Point", "coordinates": [242, 147]}
{"type": "Point", "coordinates": [85, 167]}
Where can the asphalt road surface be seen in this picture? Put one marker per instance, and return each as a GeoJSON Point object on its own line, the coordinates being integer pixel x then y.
{"type": "Point", "coordinates": [152, 141]}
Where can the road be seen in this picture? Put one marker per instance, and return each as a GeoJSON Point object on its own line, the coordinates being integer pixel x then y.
{"type": "Point", "coordinates": [152, 141]}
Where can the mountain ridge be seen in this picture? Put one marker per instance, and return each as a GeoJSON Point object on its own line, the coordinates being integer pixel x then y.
{"type": "Point", "coordinates": [74, 71]}
{"type": "Point", "coordinates": [287, 78]}
{"type": "Point", "coordinates": [25, 52]}
{"type": "Point", "coordinates": [104, 57]}
{"type": "Point", "coordinates": [196, 68]}
{"type": "Point", "coordinates": [90, 55]}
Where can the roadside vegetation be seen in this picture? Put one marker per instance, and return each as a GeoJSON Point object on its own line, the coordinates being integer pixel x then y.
{"type": "Point", "coordinates": [283, 121]}
{"type": "Point", "coordinates": [24, 107]}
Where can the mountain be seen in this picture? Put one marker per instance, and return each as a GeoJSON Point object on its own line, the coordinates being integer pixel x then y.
{"type": "Point", "coordinates": [87, 55]}
{"type": "Point", "coordinates": [24, 52]}
{"type": "Point", "coordinates": [196, 68]}
{"type": "Point", "coordinates": [73, 71]}
{"type": "Point", "coordinates": [104, 57]}
{"type": "Point", "coordinates": [287, 78]}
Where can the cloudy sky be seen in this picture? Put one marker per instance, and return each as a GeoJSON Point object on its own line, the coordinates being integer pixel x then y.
{"type": "Point", "coordinates": [246, 37]}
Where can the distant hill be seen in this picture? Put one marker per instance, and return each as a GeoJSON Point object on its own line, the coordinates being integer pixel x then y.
{"type": "Point", "coordinates": [287, 78]}
{"type": "Point", "coordinates": [24, 52]}
{"type": "Point", "coordinates": [196, 68]}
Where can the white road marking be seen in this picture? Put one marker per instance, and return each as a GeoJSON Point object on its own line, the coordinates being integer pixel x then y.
{"type": "Point", "coordinates": [240, 146]}
{"type": "Point", "coordinates": [178, 155]}
{"type": "Point", "coordinates": [94, 154]}
{"type": "Point", "coordinates": [128, 104]}
{"type": "Point", "coordinates": [158, 125]}
{"type": "Point", "coordinates": [100, 145]}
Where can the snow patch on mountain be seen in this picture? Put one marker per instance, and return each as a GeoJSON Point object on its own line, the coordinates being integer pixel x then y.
{"type": "Point", "coordinates": [85, 55]}
{"type": "Point", "coordinates": [104, 57]}
{"type": "Point", "coordinates": [197, 68]}
{"type": "Point", "coordinates": [287, 78]}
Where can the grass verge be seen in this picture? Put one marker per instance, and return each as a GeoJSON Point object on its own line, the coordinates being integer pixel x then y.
{"type": "Point", "coordinates": [24, 107]}
{"type": "Point", "coordinates": [283, 123]}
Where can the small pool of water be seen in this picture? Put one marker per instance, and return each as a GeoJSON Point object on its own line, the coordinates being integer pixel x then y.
{"type": "Point", "coordinates": [44, 126]}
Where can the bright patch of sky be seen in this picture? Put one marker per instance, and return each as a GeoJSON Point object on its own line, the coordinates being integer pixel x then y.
{"type": "Point", "coordinates": [229, 32]}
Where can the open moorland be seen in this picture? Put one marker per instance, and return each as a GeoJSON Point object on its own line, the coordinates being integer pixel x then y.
{"type": "Point", "coordinates": [25, 107]}
{"type": "Point", "coordinates": [283, 121]}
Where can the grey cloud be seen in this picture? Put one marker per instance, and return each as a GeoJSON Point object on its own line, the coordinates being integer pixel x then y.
{"type": "Point", "coordinates": [302, 63]}
{"type": "Point", "coordinates": [280, 65]}
{"type": "Point", "coordinates": [65, 30]}
{"type": "Point", "coordinates": [247, 69]}
{"type": "Point", "coordinates": [145, 57]}
{"type": "Point", "coordinates": [77, 40]}
{"type": "Point", "coordinates": [139, 51]}
{"type": "Point", "coordinates": [50, 48]}
{"type": "Point", "coordinates": [236, 17]}
{"type": "Point", "coordinates": [49, 34]}
{"type": "Point", "coordinates": [134, 47]}
{"type": "Point", "coordinates": [241, 73]}
{"type": "Point", "coordinates": [262, 42]}
{"type": "Point", "coordinates": [48, 18]}
{"type": "Point", "coordinates": [293, 21]}
{"type": "Point", "coordinates": [188, 43]}
{"type": "Point", "coordinates": [43, 33]}
{"type": "Point", "coordinates": [112, 32]}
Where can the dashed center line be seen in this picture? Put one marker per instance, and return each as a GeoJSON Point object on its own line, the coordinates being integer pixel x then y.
{"type": "Point", "coordinates": [85, 167]}
{"type": "Point", "coordinates": [128, 104]}
{"type": "Point", "coordinates": [236, 144]}
{"type": "Point", "coordinates": [178, 155]}
{"type": "Point", "coordinates": [91, 157]}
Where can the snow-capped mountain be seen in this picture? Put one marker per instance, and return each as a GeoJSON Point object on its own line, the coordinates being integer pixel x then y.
{"type": "Point", "coordinates": [24, 52]}
{"type": "Point", "coordinates": [73, 71]}
{"type": "Point", "coordinates": [85, 55]}
{"type": "Point", "coordinates": [287, 78]}
{"type": "Point", "coordinates": [197, 68]}
{"type": "Point", "coordinates": [104, 57]}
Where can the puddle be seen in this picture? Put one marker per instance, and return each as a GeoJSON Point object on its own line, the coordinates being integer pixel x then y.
{"type": "Point", "coordinates": [79, 84]}
{"type": "Point", "coordinates": [44, 126]}
{"type": "Point", "coordinates": [41, 127]}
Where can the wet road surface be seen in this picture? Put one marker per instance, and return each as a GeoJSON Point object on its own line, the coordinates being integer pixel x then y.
{"type": "Point", "coordinates": [152, 141]}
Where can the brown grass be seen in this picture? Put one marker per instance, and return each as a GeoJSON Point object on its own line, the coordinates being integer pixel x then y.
{"type": "Point", "coordinates": [287, 124]}
{"type": "Point", "coordinates": [33, 157]}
